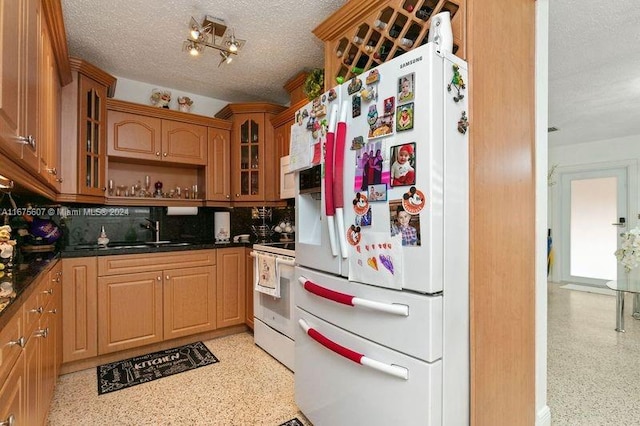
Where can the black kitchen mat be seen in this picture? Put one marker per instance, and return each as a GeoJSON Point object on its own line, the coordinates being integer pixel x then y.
{"type": "Point", "coordinates": [141, 369]}
{"type": "Point", "coordinates": [292, 422]}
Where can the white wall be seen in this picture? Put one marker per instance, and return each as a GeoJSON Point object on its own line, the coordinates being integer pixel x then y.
{"type": "Point", "coordinates": [140, 93]}
{"type": "Point", "coordinates": [596, 152]}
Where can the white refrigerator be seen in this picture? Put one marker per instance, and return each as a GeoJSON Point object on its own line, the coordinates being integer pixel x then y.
{"type": "Point", "coordinates": [383, 316]}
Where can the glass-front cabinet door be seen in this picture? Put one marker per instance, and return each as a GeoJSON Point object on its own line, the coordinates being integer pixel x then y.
{"type": "Point", "coordinates": [248, 185]}
{"type": "Point", "coordinates": [92, 138]}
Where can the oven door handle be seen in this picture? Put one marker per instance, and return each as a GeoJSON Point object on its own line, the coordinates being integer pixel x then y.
{"type": "Point", "coordinates": [347, 299]}
{"type": "Point", "coordinates": [358, 358]}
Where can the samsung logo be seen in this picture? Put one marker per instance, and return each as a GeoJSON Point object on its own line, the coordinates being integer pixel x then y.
{"type": "Point", "coordinates": [413, 61]}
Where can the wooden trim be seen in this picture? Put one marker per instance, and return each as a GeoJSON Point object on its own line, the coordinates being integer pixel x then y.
{"type": "Point", "coordinates": [78, 198]}
{"type": "Point", "coordinates": [52, 12]}
{"type": "Point", "coordinates": [167, 114]}
{"type": "Point", "coordinates": [348, 15]}
{"type": "Point", "coordinates": [245, 108]}
{"type": "Point", "coordinates": [501, 52]}
{"type": "Point", "coordinates": [24, 179]}
{"type": "Point", "coordinates": [295, 81]}
{"type": "Point", "coordinates": [288, 113]}
{"type": "Point", "coordinates": [94, 73]}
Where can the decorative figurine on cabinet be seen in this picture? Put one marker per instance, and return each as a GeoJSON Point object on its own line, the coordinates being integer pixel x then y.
{"type": "Point", "coordinates": [184, 103]}
{"type": "Point", "coordinates": [160, 98]}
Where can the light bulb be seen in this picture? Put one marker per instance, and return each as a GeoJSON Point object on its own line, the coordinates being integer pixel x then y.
{"type": "Point", "coordinates": [195, 33]}
{"type": "Point", "coordinates": [193, 50]}
{"type": "Point", "coordinates": [233, 46]}
{"type": "Point", "coordinates": [229, 59]}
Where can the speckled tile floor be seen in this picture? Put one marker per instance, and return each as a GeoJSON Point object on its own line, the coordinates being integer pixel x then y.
{"type": "Point", "coordinates": [593, 378]}
{"type": "Point", "coordinates": [247, 387]}
{"type": "Point", "coordinates": [593, 371]}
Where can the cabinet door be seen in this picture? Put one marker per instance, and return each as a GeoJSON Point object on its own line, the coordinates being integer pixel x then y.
{"type": "Point", "coordinates": [133, 136]}
{"type": "Point", "coordinates": [79, 308]}
{"type": "Point", "coordinates": [248, 259]}
{"type": "Point", "coordinates": [189, 301]}
{"type": "Point", "coordinates": [129, 311]}
{"type": "Point", "coordinates": [184, 143]}
{"type": "Point", "coordinates": [29, 111]}
{"type": "Point", "coordinates": [248, 157]}
{"type": "Point", "coordinates": [47, 364]}
{"type": "Point", "coordinates": [12, 395]}
{"type": "Point", "coordinates": [32, 376]}
{"type": "Point", "coordinates": [10, 77]}
{"type": "Point", "coordinates": [92, 136]}
{"type": "Point", "coordinates": [231, 286]}
{"type": "Point", "coordinates": [219, 165]}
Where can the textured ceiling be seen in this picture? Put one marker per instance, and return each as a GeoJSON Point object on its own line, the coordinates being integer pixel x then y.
{"type": "Point", "coordinates": [142, 40]}
{"type": "Point", "coordinates": [594, 53]}
{"type": "Point", "coordinates": [594, 70]}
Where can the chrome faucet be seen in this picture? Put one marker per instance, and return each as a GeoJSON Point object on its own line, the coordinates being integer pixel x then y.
{"type": "Point", "coordinates": [153, 226]}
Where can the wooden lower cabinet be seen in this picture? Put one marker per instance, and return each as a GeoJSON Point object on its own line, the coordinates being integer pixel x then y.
{"type": "Point", "coordinates": [13, 395]}
{"type": "Point", "coordinates": [162, 303]}
{"type": "Point", "coordinates": [249, 262]}
{"type": "Point", "coordinates": [129, 311]}
{"type": "Point", "coordinates": [231, 286]}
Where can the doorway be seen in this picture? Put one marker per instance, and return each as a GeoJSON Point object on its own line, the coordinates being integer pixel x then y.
{"type": "Point", "coordinates": [594, 211]}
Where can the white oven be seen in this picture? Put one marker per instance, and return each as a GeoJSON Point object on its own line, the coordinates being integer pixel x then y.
{"type": "Point", "coordinates": [274, 326]}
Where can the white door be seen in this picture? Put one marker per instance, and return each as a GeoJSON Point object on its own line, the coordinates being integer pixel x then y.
{"type": "Point", "coordinates": [593, 213]}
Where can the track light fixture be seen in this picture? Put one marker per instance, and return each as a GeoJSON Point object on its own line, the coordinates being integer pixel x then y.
{"type": "Point", "coordinates": [213, 33]}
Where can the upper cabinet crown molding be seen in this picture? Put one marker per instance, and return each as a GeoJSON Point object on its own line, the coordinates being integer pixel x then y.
{"type": "Point", "coordinates": [96, 74]}
{"type": "Point", "coordinates": [249, 107]}
{"type": "Point", "coordinates": [52, 12]}
{"type": "Point", "coordinates": [151, 111]}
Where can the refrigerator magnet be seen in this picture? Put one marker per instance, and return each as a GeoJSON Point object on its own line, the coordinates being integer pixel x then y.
{"type": "Point", "coordinates": [373, 77]}
{"type": "Point", "coordinates": [368, 94]}
{"type": "Point", "coordinates": [364, 220]}
{"type": "Point", "coordinates": [332, 95]}
{"type": "Point", "coordinates": [404, 120]}
{"type": "Point", "coordinates": [413, 201]}
{"type": "Point", "coordinates": [353, 235]}
{"type": "Point", "coordinates": [403, 224]}
{"type": "Point", "coordinates": [389, 105]}
{"type": "Point", "coordinates": [356, 104]}
{"type": "Point", "coordinates": [378, 192]}
{"type": "Point", "coordinates": [360, 204]}
{"type": "Point", "coordinates": [372, 115]}
{"type": "Point", "coordinates": [354, 85]}
{"type": "Point", "coordinates": [405, 88]}
{"type": "Point", "coordinates": [403, 163]}
{"type": "Point", "coordinates": [382, 127]}
{"type": "Point", "coordinates": [357, 143]}
{"type": "Point", "coordinates": [457, 83]}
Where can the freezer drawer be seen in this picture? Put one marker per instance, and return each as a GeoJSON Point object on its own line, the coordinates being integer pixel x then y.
{"type": "Point", "coordinates": [333, 390]}
{"type": "Point", "coordinates": [407, 322]}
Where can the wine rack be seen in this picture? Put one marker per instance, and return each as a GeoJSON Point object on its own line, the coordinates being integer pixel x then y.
{"type": "Point", "coordinates": [366, 33]}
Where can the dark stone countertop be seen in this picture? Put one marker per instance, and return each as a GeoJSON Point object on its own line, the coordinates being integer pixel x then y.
{"type": "Point", "coordinates": [24, 272]}
{"type": "Point", "coordinates": [140, 248]}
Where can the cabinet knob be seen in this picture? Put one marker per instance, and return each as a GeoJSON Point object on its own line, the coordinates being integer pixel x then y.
{"type": "Point", "coordinates": [42, 333]}
{"type": "Point", "coordinates": [159, 278]}
{"type": "Point", "coordinates": [164, 154]}
{"type": "Point", "coordinates": [21, 341]}
{"type": "Point", "coordinates": [228, 196]}
{"type": "Point", "coordinates": [157, 153]}
{"type": "Point", "coordinates": [52, 170]}
{"type": "Point", "coordinates": [53, 311]}
{"type": "Point", "coordinates": [167, 277]}
{"type": "Point", "coordinates": [50, 291]}
{"type": "Point", "coordinates": [37, 310]}
{"type": "Point", "coordinates": [237, 195]}
{"type": "Point", "coordinates": [59, 180]}
{"type": "Point", "coordinates": [27, 140]}
{"type": "Point", "coordinates": [11, 421]}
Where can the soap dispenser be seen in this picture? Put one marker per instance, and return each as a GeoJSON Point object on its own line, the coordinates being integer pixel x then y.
{"type": "Point", "coordinates": [102, 238]}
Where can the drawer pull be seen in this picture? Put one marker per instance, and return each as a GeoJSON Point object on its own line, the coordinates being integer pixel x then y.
{"type": "Point", "coordinates": [347, 299]}
{"type": "Point", "coordinates": [358, 358]}
{"type": "Point", "coordinates": [50, 291]}
{"type": "Point", "coordinates": [42, 333]}
{"type": "Point", "coordinates": [11, 420]}
{"type": "Point", "coordinates": [37, 310]}
{"type": "Point", "coordinates": [21, 341]}
{"type": "Point", "coordinates": [53, 311]}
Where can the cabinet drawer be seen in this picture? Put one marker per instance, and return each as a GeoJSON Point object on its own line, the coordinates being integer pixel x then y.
{"type": "Point", "coordinates": [9, 349]}
{"type": "Point", "coordinates": [423, 319]}
{"type": "Point", "coordinates": [130, 263]}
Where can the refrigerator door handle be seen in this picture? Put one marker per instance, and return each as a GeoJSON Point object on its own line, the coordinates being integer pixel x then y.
{"type": "Point", "coordinates": [338, 191]}
{"type": "Point", "coordinates": [329, 203]}
{"type": "Point", "coordinates": [358, 358]}
{"type": "Point", "coordinates": [347, 299]}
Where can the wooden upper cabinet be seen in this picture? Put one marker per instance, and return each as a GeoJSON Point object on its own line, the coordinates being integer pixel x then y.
{"type": "Point", "coordinates": [184, 142]}
{"type": "Point", "coordinates": [20, 32]}
{"type": "Point", "coordinates": [254, 160]}
{"type": "Point", "coordinates": [219, 165]}
{"type": "Point", "coordinates": [150, 138]}
{"type": "Point", "coordinates": [133, 136]}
